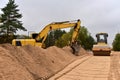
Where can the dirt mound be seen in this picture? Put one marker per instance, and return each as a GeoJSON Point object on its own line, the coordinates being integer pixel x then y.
{"type": "Point", "coordinates": [11, 69]}
{"type": "Point", "coordinates": [33, 63]}
{"type": "Point", "coordinates": [82, 51]}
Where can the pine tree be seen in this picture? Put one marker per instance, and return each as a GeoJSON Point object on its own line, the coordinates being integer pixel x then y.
{"type": "Point", "coordinates": [116, 42]}
{"type": "Point", "coordinates": [10, 19]}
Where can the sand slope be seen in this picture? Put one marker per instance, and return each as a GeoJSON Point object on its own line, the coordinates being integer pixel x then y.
{"type": "Point", "coordinates": [33, 63]}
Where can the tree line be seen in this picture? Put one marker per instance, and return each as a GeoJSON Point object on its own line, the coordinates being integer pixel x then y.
{"type": "Point", "coordinates": [62, 38]}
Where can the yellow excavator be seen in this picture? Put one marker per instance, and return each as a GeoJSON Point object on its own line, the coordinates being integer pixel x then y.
{"type": "Point", "coordinates": [39, 39]}
{"type": "Point", "coordinates": [101, 48]}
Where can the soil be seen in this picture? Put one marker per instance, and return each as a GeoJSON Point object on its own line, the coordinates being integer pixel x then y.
{"type": "Point", "coordinates": [115, 66]}
{"type": "Point", "coordinates": [33, 63]}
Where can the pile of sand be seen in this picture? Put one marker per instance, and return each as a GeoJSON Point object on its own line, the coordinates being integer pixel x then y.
{"type": "Point", "coordinates": [33, 63]}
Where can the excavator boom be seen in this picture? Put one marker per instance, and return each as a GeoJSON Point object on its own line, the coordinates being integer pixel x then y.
{"type": "Point", "coordinates": [59, 25]}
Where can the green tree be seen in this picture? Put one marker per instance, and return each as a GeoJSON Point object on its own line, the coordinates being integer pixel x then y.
{"type": "Point", "coordinates": [64, 40]}
{"type": "Point", "coordinates": [50, 39]}
{"type": "Point", "coordinates": [53, 36]}
{"type": "Point", "coordinates": [89, 42]}
{"type": "Point", "coordinates": [10, 19]}
{"type": "Point", "coordinates": [58, 33]}
{"type": "Point", "coordinates": [86, 40]}
{"type": "Point", "coordinates": [116, 42]}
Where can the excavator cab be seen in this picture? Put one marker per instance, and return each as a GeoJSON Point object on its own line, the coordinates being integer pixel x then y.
{"type": "Point", "coordinates": [101, 48]}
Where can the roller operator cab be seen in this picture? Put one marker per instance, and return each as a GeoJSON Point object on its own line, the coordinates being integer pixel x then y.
{"type": "Point", "coordinates": [101, 48]}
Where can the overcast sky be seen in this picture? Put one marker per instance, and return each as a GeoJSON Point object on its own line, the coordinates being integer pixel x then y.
{"type": "Point", "coordinates": [95, 15]}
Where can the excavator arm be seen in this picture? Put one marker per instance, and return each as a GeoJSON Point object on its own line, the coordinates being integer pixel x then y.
{"type": "Point", "coordinates": [59, 25]}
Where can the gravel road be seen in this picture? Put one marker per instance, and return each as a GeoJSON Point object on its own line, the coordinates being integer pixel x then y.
{"type": "Point", "coordinates": [92, 68]}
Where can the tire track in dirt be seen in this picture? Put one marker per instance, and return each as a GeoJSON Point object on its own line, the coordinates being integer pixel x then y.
{"type": "Point", "coordinates": [91, 68]}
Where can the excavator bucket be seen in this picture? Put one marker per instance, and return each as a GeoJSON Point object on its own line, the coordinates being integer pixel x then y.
{"type": "Point", "coordinates": [76, 48]}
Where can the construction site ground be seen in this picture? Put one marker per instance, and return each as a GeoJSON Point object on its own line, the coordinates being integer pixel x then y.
{"type": "Point", "coordinates": [53, 63]}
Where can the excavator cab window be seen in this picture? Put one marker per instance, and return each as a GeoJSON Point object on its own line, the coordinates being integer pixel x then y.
{"type": "Point", "coordinates": [34, 35]}
{"type": "Point", "coordinates": [18, 43]}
